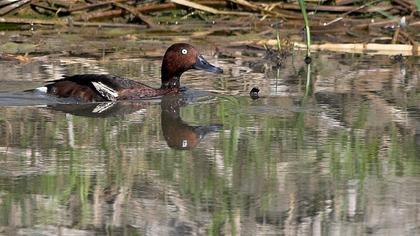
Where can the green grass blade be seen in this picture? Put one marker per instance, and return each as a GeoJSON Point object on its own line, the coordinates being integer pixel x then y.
{"type": "Point", "coordinates": [307, 30]}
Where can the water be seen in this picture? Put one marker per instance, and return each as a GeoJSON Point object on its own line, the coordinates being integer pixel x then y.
{"type": "Point", "coordinates": [343, 160]}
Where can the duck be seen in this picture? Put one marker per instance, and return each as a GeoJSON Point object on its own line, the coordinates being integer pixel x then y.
{"type": "Point", "coordinates": [178, 58]}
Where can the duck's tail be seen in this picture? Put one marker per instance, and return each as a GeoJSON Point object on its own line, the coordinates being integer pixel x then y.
{"type": "Point", "coordinates": [42, 89]}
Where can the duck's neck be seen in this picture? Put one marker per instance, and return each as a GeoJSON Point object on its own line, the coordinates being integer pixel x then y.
{"type": "Point", "coordinates": [170, 77]}
{"type": "Point", "coordinates": [171, 83]}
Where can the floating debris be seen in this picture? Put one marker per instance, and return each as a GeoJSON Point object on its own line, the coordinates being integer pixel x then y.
{"type": "Point", "coordinates": [308, 60]}
{"type": "Point", "coordinates": [397, 58]}
{"type": "Point", "coordinates": [254, 93]}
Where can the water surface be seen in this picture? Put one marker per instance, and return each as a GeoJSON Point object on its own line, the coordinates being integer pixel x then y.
{"type": "Point", "coordinates": [343, 160]}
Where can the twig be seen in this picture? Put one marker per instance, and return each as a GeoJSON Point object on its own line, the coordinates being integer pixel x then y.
{"type": "Point", "coordinates": [370, 48]}
{"type": "Point", "coordinates": [313, 7]}
{"type": "Point", "coordinates": [63, 11]}
{"type": "Point", "coordinates": [144, 8]}
{"type": "Point", "coordinates": [60, 4]}
{"type": "Point", "coordinates": [411, 40]}
{"type": "Point", "coordinates": [7, 2]}
{"type": "Point", "coordinates": [196, 6]}
{"type": "Point", "coordinates": [345, 2]}
{"type": "Point", "coordinates": [349, 12]}
{"type": "Point", "coordinates": [137, 14]}
{"type": "Point", "coordinates": [209, 9]}
{"type": "Point", "coordinates": [259, 8]}
{"type": "Point", "coordinates": [100, 15]}
{"type": "Point", "coordinates": [155, 7]}
{"type": "Point", "coordinates": [14, 6]}
{"type": "Point", "coordinates": [414, 24]}
{"type": "Point", "coordinates": [66, 23]}
{"type": "Point", "coordinates": [406, 5]}
{"type": "Point", "coordinates": [395, 37]}
{"type": "Point", "coordinates": [95, 5]}
{"type": "Point", "coordinates": [227, 30]}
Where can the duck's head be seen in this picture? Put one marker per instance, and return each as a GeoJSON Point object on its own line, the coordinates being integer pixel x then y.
{"type": "Point", "coordinates": [179, 58]}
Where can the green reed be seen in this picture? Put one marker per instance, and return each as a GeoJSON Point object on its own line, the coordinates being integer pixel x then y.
{"type": "Point", "coordinates": [307, 30]}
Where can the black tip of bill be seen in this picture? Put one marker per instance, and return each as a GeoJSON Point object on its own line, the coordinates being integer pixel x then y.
{"type": "Point", "coordinates": [202, 64]}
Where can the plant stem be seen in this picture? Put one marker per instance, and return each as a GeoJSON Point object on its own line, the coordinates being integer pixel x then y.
{"type": "Point", "coordinates": [307, 30]}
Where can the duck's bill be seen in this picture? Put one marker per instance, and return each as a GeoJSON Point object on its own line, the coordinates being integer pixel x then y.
{"type": "Point", "coordinates": [202, 64]}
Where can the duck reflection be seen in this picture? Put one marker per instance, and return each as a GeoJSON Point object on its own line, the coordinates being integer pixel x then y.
{"type": "Point", "coordinates": [177, 133]}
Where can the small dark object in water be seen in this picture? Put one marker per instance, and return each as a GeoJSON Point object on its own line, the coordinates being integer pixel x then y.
{"type": "Point", "coordinates": [397, 58]}
{"type": "Point", "coordinates": [254, 93]}
{"type": "Point", "coordinates": [308, 60]}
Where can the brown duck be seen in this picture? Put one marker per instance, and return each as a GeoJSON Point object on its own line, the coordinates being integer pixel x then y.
{"type": "Point", "coordinates": [178, 58]}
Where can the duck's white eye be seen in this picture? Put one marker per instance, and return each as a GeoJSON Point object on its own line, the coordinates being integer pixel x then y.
{"type": "Point", "coordinates": [184, 51]}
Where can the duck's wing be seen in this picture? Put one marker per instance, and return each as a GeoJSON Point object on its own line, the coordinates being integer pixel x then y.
{"type": "Point", "coordinates": [91, 87]}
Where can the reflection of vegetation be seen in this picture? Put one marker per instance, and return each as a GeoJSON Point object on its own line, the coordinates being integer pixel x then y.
{"type": "Point", "coordinates": [277, 161]}
{"type": "Point", "coordinates": [243, 169]}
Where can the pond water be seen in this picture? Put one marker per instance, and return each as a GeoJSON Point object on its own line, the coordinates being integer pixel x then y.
{"type": "Point", "coordinates": [341, 160]}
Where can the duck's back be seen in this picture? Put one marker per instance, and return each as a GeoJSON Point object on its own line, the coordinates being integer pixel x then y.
{"type": "Point", "coordinates": [92, 87]}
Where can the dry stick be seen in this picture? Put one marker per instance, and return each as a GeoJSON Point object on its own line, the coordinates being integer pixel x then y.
{"type": "Point", "coordinates": [345, 2]}
{"type": "Point", "coordinates": [313, 7]}
{"type": "Point", "coordinates": [212, 2]}
{"type": "Point", "coordinates": [7, 2]}
{"type": "Point", "coordinates": [370, 48]}
{"type": "Point", "coordinates": [414, 24]}
{"type": "Point", "coordinates": [48, 8]}
{"type": "Point", "coordinates": [411, 40]}
{"type": "Point", "coordinates": [395, 37]}
{"type": "Point", "coordinates": [62, 4]}
{"type": "Point", "coordinates": [66, 23]}
{"type": "Point", "coordinates": [156, 7]}
{"type": "Point", "coordinates": [166, 6]}
{"type": "Point", "coordinates": [257, 8]}
{"type": "Point", "coordinates": [13, 6]}
{"type": "Point", "coordinates": [405, 4]}
{"type": "Point", "coordinates": [196, 6]}
{"type": "Point", "coordinates": [113, 13]}
{"type": "Point", "coordinates": [137, 14]}
{"type": "Point", "coordinates": [290, 14]}
{"type": "Point", "coordinates": [153, 7]}
{"type": "Point", "coordinates": [95, 5]}
{"type": "Point", "coordinates": [99, 15]}
{"type": "Point", "coordinates": [347, 13]}
{"type": "Point", "coordinates": [402, 3]}
{"type": "Point", "coordinates": [198, 34]}
{"type": "Point", "coordinates": [209, 9]}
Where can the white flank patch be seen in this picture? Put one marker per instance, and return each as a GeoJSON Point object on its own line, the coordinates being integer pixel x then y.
{"type": "Point", "coordinates": [41, 89]}
{"type": "Point", "coordinates": [106, 91]}
{"type": "Point", "coordinates": [184, 143]}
